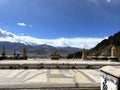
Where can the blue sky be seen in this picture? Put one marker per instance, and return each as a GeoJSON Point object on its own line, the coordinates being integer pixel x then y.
{"type": "Point", "coordinates": [58, 19]}
{"type": "Point", "coordinates": [49, 19]}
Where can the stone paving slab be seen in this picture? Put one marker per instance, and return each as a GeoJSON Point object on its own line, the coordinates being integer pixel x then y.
{"type": "Point", "coordinates": [91, 74]}
{"type": "Point", "coordinates": [62, 77]}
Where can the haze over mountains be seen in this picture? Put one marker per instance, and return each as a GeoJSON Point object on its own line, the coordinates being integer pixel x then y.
{"type": "Point", "coordinates": [60, 42]}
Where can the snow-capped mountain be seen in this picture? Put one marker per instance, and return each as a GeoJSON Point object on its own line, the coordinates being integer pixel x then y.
{"type": "Point", "coordinates": [60, 42]}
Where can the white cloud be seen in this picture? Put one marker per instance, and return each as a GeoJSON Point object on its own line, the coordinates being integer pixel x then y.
{"type": "Point", "coordinates": [22, 34]}
{"type": "Point", "coordinates": [5, 34]}
{"type": "Point", "coordinates": [96, 2]}
{"type": "Point", "coordinates": [108, 1]}
{"type": "Point", "coordinates": [30, 25]}
{"type": "Point", "coordinates": [21, 24]}
{"type": "Point", "coordinates": [93, 1]}
{"type": "Point", "coordinates": [60, 42]}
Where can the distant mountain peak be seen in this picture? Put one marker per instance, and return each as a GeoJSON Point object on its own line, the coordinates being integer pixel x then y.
{"type": "Point", "coordinates": [60, 42]}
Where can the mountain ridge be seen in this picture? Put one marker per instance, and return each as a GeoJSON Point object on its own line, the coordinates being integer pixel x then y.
{"type": "Point", "coordinates": [105, 45]}
{"type": "Point", "coordinates": [41, 51]}
{"type": "Point", "coordinates": [78, 42]}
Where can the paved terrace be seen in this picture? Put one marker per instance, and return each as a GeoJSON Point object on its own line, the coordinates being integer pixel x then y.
{"type": "Point", "coordinates": [49, 78]}
{"type": "Point", "coordinates": [28, 74]}
{"type": "Point", "coordinates": [55, 64]}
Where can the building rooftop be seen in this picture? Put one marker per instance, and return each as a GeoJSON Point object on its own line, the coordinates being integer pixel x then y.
{"type": "Point", "coordinates": [44, 78]}
{"type": "Point", "coordinates": [49, 78]}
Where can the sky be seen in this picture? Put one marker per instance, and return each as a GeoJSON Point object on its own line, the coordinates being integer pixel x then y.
{"type": "Point", "coordinates": [61, 19]}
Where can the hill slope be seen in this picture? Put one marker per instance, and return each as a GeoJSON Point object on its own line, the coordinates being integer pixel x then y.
{"type": "Point", "coordinates": [106, 45]}
{"type": "Point", "coordinates": [102, 47]}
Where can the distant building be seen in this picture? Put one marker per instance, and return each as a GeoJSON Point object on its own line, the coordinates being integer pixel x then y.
{"type": "Point", "coordinates": [55, 55]}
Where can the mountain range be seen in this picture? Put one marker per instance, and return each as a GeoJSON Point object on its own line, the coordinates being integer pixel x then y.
{"type": "Point", "coordinates": [78, 42]}
{"type": "Point", "coordinates": [36, 47]}
{"type": "Point", "coordinates": [38, 51]}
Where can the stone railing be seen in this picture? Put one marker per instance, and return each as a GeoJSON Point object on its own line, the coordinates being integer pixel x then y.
{"type": "Point", "coordinates": [54, 66]}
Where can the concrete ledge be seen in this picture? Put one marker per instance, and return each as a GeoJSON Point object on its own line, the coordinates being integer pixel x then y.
{"type": "Point", "coordinates": [110, 70]}
{"type": "Point", "coordinates": [61, 64]}
{"type": "Point", "coordinates": [50, 85]}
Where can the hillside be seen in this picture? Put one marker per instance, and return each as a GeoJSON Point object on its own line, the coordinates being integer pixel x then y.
{"type": "Point", "coordinates": [103, 47]}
